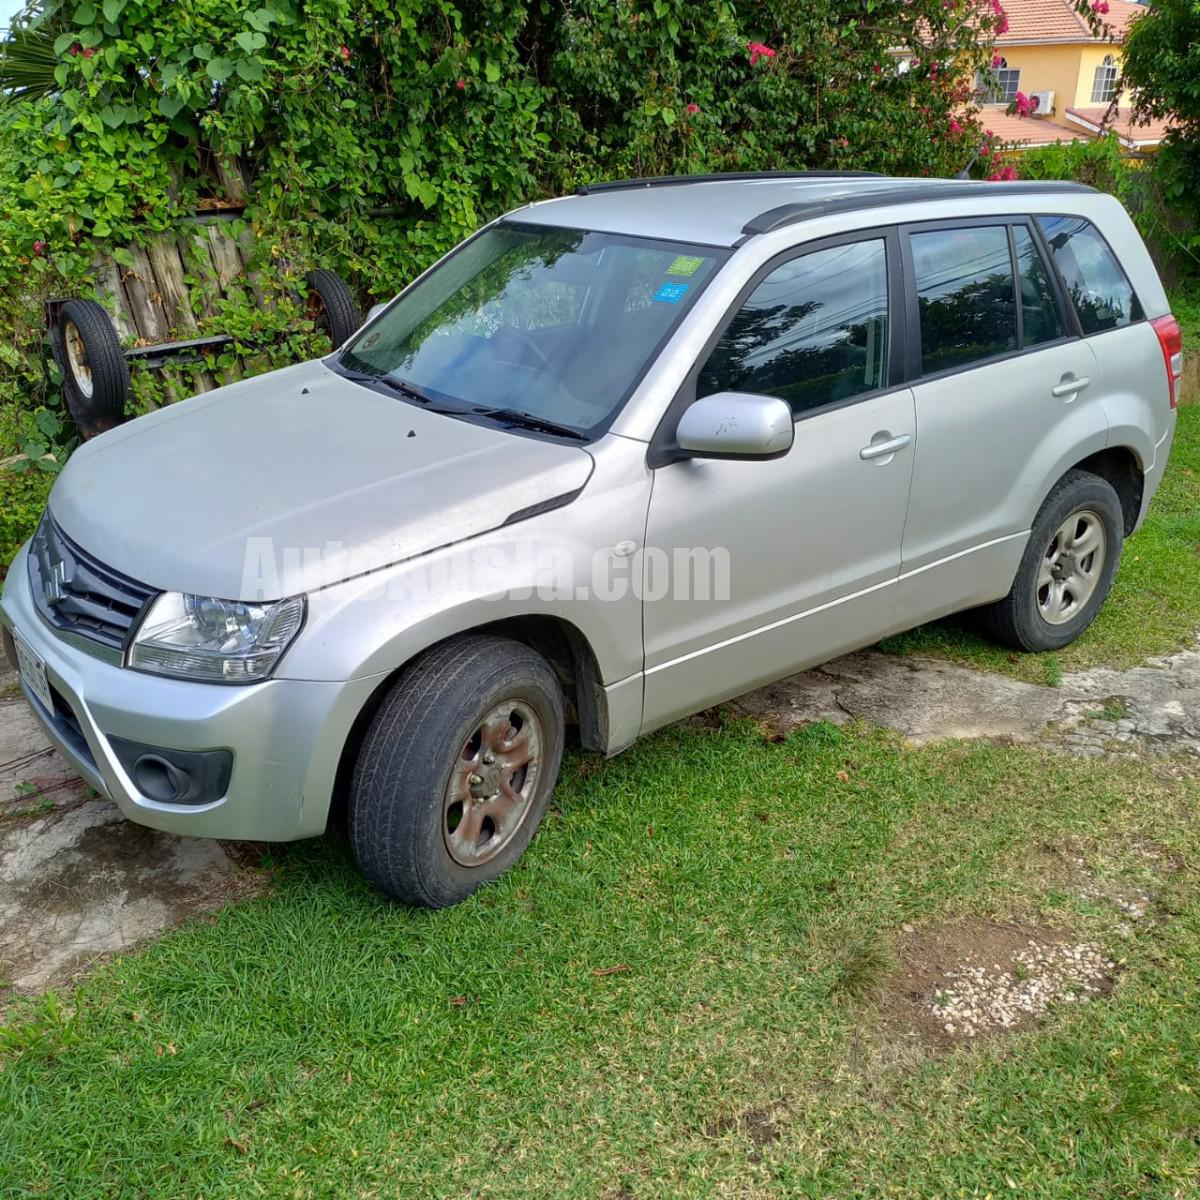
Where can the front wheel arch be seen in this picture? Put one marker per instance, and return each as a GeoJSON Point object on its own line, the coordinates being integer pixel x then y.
{"type": "Point", "coordinates": [561, 643]}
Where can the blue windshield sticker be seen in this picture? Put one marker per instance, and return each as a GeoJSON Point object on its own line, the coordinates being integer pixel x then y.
{"type": "Point", "coordinates": [670, 293]}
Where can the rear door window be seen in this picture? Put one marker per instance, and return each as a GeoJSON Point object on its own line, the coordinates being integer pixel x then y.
{"type": "Point", "coordinates": [1102, 294]}
{"type": "Point", "coordinates": [966, 301]}
{"type": "Point", "coordinates": [1041, 320]}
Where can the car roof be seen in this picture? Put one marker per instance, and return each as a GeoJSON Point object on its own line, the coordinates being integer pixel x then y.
{"type": "Point", "coordinates": [722, 211]}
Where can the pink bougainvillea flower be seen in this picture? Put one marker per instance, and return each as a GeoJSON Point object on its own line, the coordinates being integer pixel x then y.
{"type": "Point", "coordinates": [997, 60]}
{"type": "Point", "coordinates": [344, 51]}
{"type": "Point", "coordinates": [955, 127]}
{"type": "Point", "coordinates": [1100, 6]}
{"type": "Point", "coordinates": [1023, 105]}
{"type": "Point", "coordinates": [460, 84]}
{"type": "Point", "coordinates": [1004, 175]}
{"type": "Point", "coordinates": [692, 108]}
{"type": "Point", "coordinates": [985, 152]}
{"type": "Point", "coordinates": [757, 51]}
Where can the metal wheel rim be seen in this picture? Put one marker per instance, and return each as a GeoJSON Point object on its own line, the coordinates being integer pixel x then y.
{"type": "Point", "coordinates": [492, 784]}
{"type": "Point", "coordinates": [77, 357]}
{"type": "Point", "coordinates": [1071, 567]}
{"type": "Point", "coordinates": [317, 313]}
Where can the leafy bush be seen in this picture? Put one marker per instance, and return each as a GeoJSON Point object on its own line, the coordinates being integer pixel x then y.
{"type": "Point", "coordinates": [447, 114]}
{"type": "Point", "coordinates": [22, 498]}
{"type": "Point", "coordinates": [1162, 66]}
{"type": "Point", "coordinates": [1138, 182]}
{"type": "Point", "coordinates": [376, 135]}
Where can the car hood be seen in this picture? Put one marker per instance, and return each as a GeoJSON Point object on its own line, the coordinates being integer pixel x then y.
{"type": "Point", "coordinates": [181, 499]}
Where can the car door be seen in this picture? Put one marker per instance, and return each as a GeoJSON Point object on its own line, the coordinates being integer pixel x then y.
{"type": "Point", "coordinates": [776, 565]}
{"type": "Point", "coordinates": [1003, 389]}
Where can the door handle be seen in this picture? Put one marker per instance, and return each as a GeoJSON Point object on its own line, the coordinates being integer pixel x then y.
{"type": "Point", "coordinates": [884, 449]}
{"type": "Point", "coordinates": [1069, 387]}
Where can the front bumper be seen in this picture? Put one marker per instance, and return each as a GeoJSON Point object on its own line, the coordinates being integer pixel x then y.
{"type": "Point", "coordinates": [286, 735]}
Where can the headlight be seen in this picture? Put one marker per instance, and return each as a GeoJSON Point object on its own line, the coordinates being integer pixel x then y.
{"type": "Point", "coordinates": [217, 641]}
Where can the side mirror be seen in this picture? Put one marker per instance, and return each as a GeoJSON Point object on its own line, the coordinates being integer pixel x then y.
{"type": "Point", "coordinates": [736, 425]}
{"type": "Point", "coordinates": [373, 312]}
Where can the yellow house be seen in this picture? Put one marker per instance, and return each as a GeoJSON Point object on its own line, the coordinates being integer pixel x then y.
{"type": "Point", "coordinates": [1050, 52]}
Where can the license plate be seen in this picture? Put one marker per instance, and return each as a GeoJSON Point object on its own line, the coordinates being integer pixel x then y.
{"type": "Point", "coordinates": [33, 672]}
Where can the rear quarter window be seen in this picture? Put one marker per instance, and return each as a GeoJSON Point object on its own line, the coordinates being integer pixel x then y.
{"type": "Point", "coordinates": [1098, 287]}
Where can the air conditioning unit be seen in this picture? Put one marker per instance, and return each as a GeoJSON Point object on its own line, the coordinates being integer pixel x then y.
{"type": "Point", "coordinates": [1045, 103]}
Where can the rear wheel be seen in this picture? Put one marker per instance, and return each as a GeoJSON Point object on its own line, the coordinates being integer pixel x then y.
{"type": "Point", "coordinates": [1067, 569]}
{"type": "Point", "coordinates": [456, 770]}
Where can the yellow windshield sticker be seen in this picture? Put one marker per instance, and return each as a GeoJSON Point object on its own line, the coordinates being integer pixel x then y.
{"type": "Point", "coordinates": [685, 264]}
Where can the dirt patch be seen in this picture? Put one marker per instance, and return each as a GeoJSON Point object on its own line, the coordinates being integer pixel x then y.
{"type": "Point", "coordinates": [758, 1125]}
{"type": "Point", "coordinates": [964, 980]}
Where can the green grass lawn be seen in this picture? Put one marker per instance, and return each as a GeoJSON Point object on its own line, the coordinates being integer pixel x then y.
{"type": "Point", "coordinates": [1154, 607]}
{"type": "Point", "coordinates": [321, 1042]}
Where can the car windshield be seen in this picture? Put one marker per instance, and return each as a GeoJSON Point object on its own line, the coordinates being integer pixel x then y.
{"type": "Point", "coordinates": [552, 324]}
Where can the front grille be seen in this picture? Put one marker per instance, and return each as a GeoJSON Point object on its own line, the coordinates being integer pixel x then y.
{"type": "Point", "coordinates": [78, 593]}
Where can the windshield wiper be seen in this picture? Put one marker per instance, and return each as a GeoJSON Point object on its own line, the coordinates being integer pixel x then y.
{"type": "Point", "coordinates": [524, 420]}
{"type": "Point", "coordinates": [402, 386]}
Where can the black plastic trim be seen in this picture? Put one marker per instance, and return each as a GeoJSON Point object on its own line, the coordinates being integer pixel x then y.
{"type": "Point", "coordinates": [544, 506]}
{"type": "Point", "coordinates": [619, 185]}
{"type": "Point", "coordinates": [199, 776]}
{"type": "Point", "coordinates": [807, 210]}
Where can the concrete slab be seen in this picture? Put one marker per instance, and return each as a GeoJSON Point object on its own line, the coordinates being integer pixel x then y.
{"type": "Point", "coordinates": [29, 767]}
{"type": "Point", "coordinates": [80, 882]}
{"type": "Point", "coordinates": [77, 881]}
{"type": "Point", "coordinates": [1150, 709]}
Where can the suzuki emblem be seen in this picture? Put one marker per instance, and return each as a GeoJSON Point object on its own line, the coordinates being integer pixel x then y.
{"type": "Point", "coordinates": [54, 585]}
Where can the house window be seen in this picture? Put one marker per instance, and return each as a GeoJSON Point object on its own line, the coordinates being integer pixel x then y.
{"type": "Point", "coordinates": [999, 84]}
{"type": "Point", "coordinates": [1104, 85]}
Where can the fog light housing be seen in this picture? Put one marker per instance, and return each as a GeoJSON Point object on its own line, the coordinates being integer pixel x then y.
{"type": "Point", "coordinates": [188, 777]}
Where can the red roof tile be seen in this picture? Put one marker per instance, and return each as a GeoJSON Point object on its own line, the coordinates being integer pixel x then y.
{"type": "Point", "coordinates": [1025, 132]}
{"type": "Point", "coordinates": [1122, 124]}
{"type": "Point", "coordinates": [1058, 21]}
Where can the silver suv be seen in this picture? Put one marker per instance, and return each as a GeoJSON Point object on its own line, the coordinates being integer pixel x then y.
{"type": "Point", "coordinates": [617, 457]}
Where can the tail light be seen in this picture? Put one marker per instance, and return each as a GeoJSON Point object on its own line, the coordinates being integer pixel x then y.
{"type": "Point", "coordinates": [1170, 338]}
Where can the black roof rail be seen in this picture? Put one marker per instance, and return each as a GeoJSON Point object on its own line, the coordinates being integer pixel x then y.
{"type": "Point", "coordinates": [805, 210]}
{"type": "Point", "coordinates": [617, 185]}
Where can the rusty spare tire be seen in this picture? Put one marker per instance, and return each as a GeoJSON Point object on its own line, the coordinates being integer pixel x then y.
{"type": "Point", "coordinates": [331, 305]}
{"type": "Point", "coordinates": [95, 374]}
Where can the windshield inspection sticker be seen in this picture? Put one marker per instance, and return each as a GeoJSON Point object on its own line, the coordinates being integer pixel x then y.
{"type": "Point", "coordinates": [685, 264]}
{"type": "Point", "coordinates": [670, 293]}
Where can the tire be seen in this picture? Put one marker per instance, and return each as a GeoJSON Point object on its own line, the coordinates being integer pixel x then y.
{"type": "Point", "coordinates": [1041, 612]}
{"type": "Point", "coordinates": [331, 305]}
{"type": "Point", "coordinates": [95, 373]}
{"type": "Point", "coordinates": [422, 748]}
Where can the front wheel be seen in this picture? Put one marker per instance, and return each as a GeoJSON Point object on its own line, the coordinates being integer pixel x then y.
{"type": "Point", "coordinates": [1067, 568]}
{"type": "Point", "coordinates": [456, 770]}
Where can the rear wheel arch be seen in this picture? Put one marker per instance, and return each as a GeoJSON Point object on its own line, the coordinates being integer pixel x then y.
{"type": "Point", "coordinates": [1121, 468]}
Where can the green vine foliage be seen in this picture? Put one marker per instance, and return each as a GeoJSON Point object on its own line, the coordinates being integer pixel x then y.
{"type": "Point", "coordinates": [375, 135]}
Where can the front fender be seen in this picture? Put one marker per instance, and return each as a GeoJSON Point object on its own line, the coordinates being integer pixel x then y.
{"type": "Point", "coordinates": [558, 564]}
